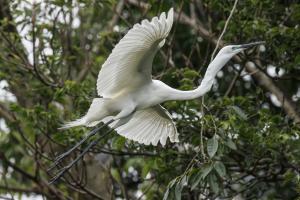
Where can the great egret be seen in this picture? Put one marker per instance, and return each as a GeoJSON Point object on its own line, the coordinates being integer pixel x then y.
{"type": "Point", "coordinates": [130, 99]}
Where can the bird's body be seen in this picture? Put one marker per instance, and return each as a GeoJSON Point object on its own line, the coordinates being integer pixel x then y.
{"type": "Point", "coordinates": [131, 98]}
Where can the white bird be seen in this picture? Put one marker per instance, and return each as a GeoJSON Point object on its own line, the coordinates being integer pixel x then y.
{"type": "Point", "coordinates": [131, 98]}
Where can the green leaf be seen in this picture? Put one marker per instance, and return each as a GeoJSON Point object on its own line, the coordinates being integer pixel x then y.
{"type": "Point", "coordinates": [118, 142]}
{"type": "Point", "coordinates": [170, 185]}
{"type": "Point", "coordinates": [179, 187]}
{"type": "Point", "coordinates": [205, 170]}
{"type": "Point", "coordinates": [190, 74]}
{"type": "Point", "coordinates": [146, 168]}
{"type": "Point", "coordinates": [196, 180]}
{"type": "Point", "coordinates": [240, 112]}
{"type": "Point", "coordinates": [115, 174]}
{"type": "Point", "coordinates": [231, 144]}
{"type": "Point", "coordinates": [212, 146]}
{"type": "Point", "coordinates": [178, 190]}
{"type": "Point", "coordinates": [220, 168]}
{"type": "Point", "coordinates": [166, 194]}
{"type": "Point", "coordinates": [172, 182]}
{"type": "Point", "coordinates": [213, 183]}
{"type": "Point", "coordinates": [201, 175]}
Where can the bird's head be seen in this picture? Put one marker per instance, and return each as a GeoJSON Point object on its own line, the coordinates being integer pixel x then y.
{"type": "Point", "coordinates": [224, 55]}
{"type": "Point", "coordinates": [232, 50]}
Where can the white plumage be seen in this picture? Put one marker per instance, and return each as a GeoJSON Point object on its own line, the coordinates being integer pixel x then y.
{"type": "Point", "coordinates": [129, 95]}
{"type": "Point", "coordinates": [130, 63]}
{"type": "Point", "coordinates": [150, 125]}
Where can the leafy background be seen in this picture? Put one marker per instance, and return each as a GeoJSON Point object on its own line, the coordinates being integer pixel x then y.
{"type": "Point", "coordinates": [240, 141]}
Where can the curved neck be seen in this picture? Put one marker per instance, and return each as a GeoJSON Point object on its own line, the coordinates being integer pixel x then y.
{"type": "Point", "coordinates": [206, 84]}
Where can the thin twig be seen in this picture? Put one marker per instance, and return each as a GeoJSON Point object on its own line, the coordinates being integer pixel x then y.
{"type": "Point", "coordinates": [117, 13]}
{"type": "Point", "coordinates": [202, 129]}
{"type": "Point", "coordinates": [172, 36]}
{"type": "Point", "coordinates": [232, 83]}
{"type": "Point", "coordinates": [35, 61]}
{"type": "Point", "coordinates": [224, 29]}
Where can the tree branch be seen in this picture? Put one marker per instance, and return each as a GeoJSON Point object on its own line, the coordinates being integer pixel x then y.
{"type": "Point", "coordinates": [16, 168]}
{"type": "Point", "coordinates": [262, 79]}
{"type": "Point", "coordinates": [6, 114]}
{"type": "Point", "coordinates": [117, 11]}
{"type": "Point", "coordinates": [21, 190]}
{"type": "Point", "coordinates": [265, 82]}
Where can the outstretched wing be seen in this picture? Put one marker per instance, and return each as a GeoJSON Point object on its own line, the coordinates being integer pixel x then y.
{"type": "Point", "coordinates": [150, 125]}
{"type": "Point", "coordinates": [130, 63]}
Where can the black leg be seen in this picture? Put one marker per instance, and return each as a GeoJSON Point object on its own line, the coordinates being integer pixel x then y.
{"type": "Point", "coordinates": [66, 168]}
{"type": "Point", "coordinates": [63, 155]}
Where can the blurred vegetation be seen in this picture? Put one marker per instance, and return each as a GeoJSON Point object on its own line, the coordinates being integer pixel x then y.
{"type": "Point", "coordinates": [237, 144]}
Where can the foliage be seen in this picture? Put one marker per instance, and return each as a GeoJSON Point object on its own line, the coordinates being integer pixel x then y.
{"type": "Point", "coordinates": [237, 144]}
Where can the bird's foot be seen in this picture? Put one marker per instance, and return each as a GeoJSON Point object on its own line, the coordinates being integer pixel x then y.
{"type": "Point", "coordinates": [66, 168]}
{"type": "Point", "coordinates": [59, 158]}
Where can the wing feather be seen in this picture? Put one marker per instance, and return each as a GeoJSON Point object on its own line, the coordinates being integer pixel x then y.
{"type": "Point", "coordinates": [155, 129]}
{"type": "Point", "coordinates": [150, 126]}
{"type": "Point", "coordinates": [133, 56]}
{"type": "Point", "coordinates": [138, 133]}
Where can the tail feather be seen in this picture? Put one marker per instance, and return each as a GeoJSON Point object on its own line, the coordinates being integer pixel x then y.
{"type": "Point", "coordinates": [78, 122]}
{"type": "Point", "coordinates": [95, 115]}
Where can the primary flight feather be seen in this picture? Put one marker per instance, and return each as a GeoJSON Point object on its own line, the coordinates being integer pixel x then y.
{"type": "Point", "coordinates": [131, 98]}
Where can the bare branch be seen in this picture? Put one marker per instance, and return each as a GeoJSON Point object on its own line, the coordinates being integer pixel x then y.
{"type": "Point", "coordinates": [139, 4]}
{"type": "Point", "coordinates": [224, 29]}
{"type": "Point", "coordinates": [35, 61]}
{"type": "Point", "coordinates": [21, 190]}
{"type": "Point", "coordinates": [117, 11]}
